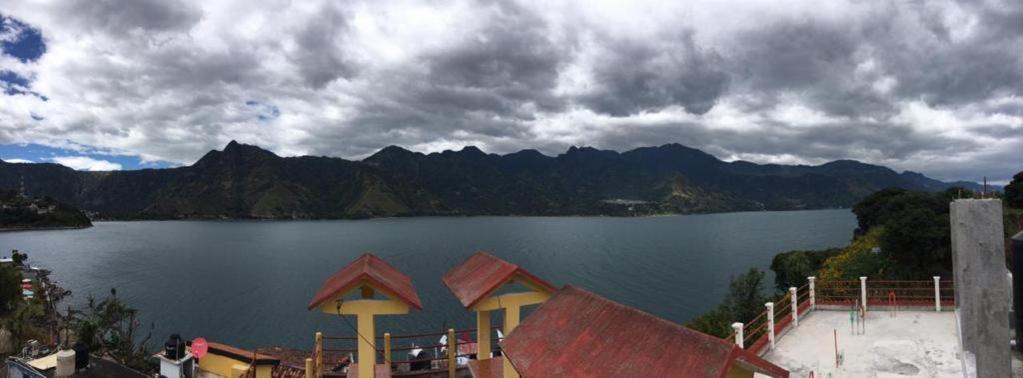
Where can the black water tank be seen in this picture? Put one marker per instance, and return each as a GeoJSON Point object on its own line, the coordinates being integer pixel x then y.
{"type": "Point", "coordinates": [81, 355]}
{"type": "Point", "coordinates": [174, 348]}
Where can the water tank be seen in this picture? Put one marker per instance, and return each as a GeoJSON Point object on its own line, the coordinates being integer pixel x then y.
{"type": "Point", "coordinates": [174, 348]}
{"type": "Point", "coordinates": [81, 355]}
{"type": "Point", "coordinates": [65, 363]}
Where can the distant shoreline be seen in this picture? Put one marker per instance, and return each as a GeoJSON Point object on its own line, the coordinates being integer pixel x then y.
{"type": "Point", "coordinates": [52, 228]}
{"type": "Point", "coordinates": [215, 219]}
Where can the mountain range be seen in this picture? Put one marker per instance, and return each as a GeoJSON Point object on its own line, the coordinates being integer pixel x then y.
{"type": "Point", "coordinates": [244, 181]}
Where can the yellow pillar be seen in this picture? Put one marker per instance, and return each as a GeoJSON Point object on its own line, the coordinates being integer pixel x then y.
{"type": "Point", "coordinates": [367, 345]}
{"type": "Point", "coordinates": [483, 333]}
{"type": "Point", "coordinates": [309, 367]}
{"type": "Point", "coordinates": [452, 350]}
{"type": "Point", "coordinates": [511, 320]}
{"type": "Point", "coordinates": [387, 350]}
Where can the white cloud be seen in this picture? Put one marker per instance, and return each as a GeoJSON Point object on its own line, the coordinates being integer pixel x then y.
{"type": "Point", "coordinates": [84, 163]}
{"type": "Point", "coordinates": [17, 161]}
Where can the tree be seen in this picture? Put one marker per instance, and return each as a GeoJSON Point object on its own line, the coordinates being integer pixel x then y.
{"type": "Point", "coordinates": [791, 268]}
{"type": "Point", "coordinates": [1014, 192]}
{"type": "Point", "coordinates": [744, 301]}
{"type": "Point", "coordinates": [916, 238]}
{"type": "Point", "coordinates": [745, 298]}
{"type": "Point", "coordinates": [109, 328]}
{"type": "Point", "coordinates": [10, 289]}
{"type": "Point", "coordinates": [18, 258]}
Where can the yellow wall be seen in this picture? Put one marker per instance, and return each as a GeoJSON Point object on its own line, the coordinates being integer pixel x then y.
{"type": "Point", "coordinates": [738, 372]}
{"type": "Point", "coordinates": [229, 367]}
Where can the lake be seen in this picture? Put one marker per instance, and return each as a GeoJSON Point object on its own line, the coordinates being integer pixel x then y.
{"type": "Point", "coordinates": [247, 283]}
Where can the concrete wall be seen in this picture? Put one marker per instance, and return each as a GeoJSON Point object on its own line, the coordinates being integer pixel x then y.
{"type": "Point", "coordinates": [983, 295]}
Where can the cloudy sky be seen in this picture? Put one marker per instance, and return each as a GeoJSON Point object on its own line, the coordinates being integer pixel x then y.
{"type": "Point", "coordinates": [932, 86]}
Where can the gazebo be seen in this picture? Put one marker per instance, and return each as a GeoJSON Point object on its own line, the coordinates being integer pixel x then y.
{"type": "Point", "coordinates": [475, 283]}
{"type": "Point", "coordinates": [368, 275]}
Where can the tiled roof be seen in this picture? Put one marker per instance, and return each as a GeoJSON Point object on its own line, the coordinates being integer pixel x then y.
{"type": "Point", "coordinates": [375, 271]}
{"type": "Point", "coordinates": [482, 273]}
{"type": "Point", "coordinates": [580, 334]}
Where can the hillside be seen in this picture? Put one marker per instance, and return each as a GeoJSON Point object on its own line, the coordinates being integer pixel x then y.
{"type": "Point", "coordinates": [245, 181]}
{"type": "Point", "coordinates": [23, 213]}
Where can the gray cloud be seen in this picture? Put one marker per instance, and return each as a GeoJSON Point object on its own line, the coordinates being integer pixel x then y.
{"type": "Point", "coordinates": [119, 17]}
{"type": "Point", "coordinates": [636, 76]}
{"type": "Point", "coordinates": [931, 86]}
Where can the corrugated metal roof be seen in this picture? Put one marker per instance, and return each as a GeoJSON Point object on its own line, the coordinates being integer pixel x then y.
{"type": "Point", "coordinates": [375, 271]}
{"type": "Point", "coordinates": [482, 273]}
{"type": "Point", "coordinates": [580, 334]}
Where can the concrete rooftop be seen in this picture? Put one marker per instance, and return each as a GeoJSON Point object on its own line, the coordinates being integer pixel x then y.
{"type": "Point", "coordinates": [914, 343]}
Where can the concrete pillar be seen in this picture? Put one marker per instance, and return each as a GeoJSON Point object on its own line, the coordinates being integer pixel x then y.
{"type": "Point", "coordinates": [309, 368]}
{"type": "Point", "coordinates": [738, 334]}
{"type": "Point", "coordinates": [795, 306]}
{"type": "Point", "coordinates": [367, 350]}
{"type": "Point", "coordinates": [863, 293]}
{"type": "Point", "coordinates": [937, 294]}
{"type": "Point", "coordinates": [982, 292]}
{"type": "Point", "coordinates": [483, 333]}
{"type": "Point", "coordinates": [318, 354]}
{"type": "Point", "coordinates": [770, 322]}
{"type": "Point", "coordinates": [511, 320]}
{"type": "Point", "coordinates": [813, 293]}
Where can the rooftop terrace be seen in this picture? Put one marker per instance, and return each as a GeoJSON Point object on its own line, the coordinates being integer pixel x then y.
{"type": "Point", "coordinates": [912, 343]}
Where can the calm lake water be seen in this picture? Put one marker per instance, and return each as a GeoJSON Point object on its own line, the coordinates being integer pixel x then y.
{"type": "Point", "coordinates": [248, 283]}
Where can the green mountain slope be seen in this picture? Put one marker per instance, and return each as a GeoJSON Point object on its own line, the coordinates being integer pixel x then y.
{"type": "Point", "coordinates": [245, 181]}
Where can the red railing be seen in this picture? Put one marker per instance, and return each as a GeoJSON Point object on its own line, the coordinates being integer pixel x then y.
{"type": "Point", "coordinates": [893, 294]}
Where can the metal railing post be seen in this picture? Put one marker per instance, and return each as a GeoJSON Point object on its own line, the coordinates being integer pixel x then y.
{"type": "Point", "coordinates": [738, 333]}
{"type": "Point", "coordinates": [863, 293]}
{"type": "Point", "coordinates": [937, 294]}
{"type": "Point", "coordinates": [795, 307]}
{"type": "Point", "coordinates": [452, 349]}
{"type": "Point", "coordinates": [770, 322]}
{"type": "Point", "coordinates": [813, 292]}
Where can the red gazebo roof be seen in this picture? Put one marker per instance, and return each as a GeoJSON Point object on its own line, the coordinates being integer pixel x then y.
{"type": "Point", "coordinates": [482, 273]}
{"type": "Point", "coordinates": [580, 334]}
{"type": "Point", "coordinates": [377, 273]}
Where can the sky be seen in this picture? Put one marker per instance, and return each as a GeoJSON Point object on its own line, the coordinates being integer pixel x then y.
{"type": "Point", "coordinates": [931, 86]}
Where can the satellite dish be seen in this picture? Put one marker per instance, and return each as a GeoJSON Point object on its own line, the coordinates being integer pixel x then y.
{"type": "Point", "coordinates": [199, 347]}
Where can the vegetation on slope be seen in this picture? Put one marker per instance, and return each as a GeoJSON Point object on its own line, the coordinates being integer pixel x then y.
{"type": "Point", "coordinates": [18, 212]}
{"type": "Point", "coordinates": [901, 235]}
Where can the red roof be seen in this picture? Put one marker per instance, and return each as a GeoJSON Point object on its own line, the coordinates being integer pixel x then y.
{"type": "Point", "coordinates": [481, 274]}
{"type": "Point", "coordinates": [580, 334]}
{"type": "Point", "coordinates": [374, 270]}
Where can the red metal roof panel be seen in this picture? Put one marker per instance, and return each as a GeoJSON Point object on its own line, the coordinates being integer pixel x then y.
{"type": "Point", "coordinates": [377, 272]}
{"type": "Point", "coordinates": [580, 334]}
{"type": "Point", "coordinates": [482, 273]}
